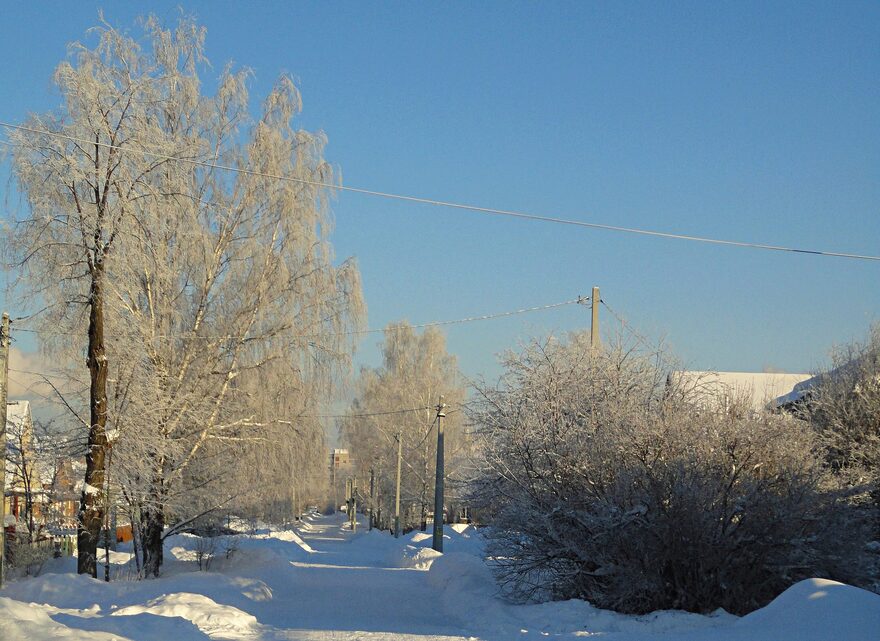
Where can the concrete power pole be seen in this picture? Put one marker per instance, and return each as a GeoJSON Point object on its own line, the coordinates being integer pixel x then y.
{"type": "Point", "coordinates": [379, 500]}
{"type": "Point", "coordinates": [333, 480]}
{"type": "Point", "coordinates": [4, 373]}
{"type": "Point", "coordinates": [594, 321]}
{"type": "Point", "coordinates": [439, 480]}
{"type": "Point", "coordinates": [397, 493]}
{"type": "Point", "coordinates": [354, 505]}
{"type": "Point", "coordinates": [349, 493]}
{"type": "Point", "coordinates": [372, 500]}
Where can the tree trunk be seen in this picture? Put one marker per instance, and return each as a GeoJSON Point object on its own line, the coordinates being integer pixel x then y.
{"type": "Point", "coordinates": [151, 539]}
{"type": "Point", "coordinates": [137, 545]}
{"type": "Point", "coordinates": [91, 511]}
{"type": "Point", "coordinates": [423, 508]}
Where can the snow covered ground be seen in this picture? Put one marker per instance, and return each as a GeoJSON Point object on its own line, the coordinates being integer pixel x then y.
{"type": "Point", "coordinates": [323, 583]}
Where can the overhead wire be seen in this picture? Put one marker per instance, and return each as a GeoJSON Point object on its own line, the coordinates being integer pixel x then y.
{"type": "Point", "coordinates": [623, 322]}
{"type": "Point", "coordinates": [299, 416]}
{"type": "Point", "coordinates": [358, 415]}
{"type": "Point", "coordinates": [450, 204]}
{"type": "Point", "coordinates": [470, 319]}
{"type": "Point", "coordinates": [367, 414]}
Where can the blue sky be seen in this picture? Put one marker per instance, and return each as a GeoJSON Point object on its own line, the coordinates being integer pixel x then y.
{"type": "Point", "coordinates": [750, 121]}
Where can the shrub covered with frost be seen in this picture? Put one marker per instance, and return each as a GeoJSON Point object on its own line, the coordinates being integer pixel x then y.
{"type": "Point", "coordinates": [605, 480]}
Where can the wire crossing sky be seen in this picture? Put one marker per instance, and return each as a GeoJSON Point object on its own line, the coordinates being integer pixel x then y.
{"type": "Point", "coordinates": [749, 123]}
{"type": "Point", "coordinates": [446, 203]}
{"type": "Point", "coordinates": [437, 323]}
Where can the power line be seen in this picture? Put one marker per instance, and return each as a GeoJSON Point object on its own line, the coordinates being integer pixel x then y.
{"type": "Point", "coordinates": [623, 322]}
{"type": "Point", "coordinates": [628, 327]}
{"type": "Point", "coordinates": [360, 415]}
{"type": "Point", "coordinates": [271, 420]}
{"type": "Point", "coordinates": [453, 205]}
{"type": "Point", "coordinates": [525, 310]}
{"type": "Point", "coordinates": [367, 414]}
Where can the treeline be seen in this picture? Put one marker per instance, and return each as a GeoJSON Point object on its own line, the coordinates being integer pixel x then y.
{"type": "Point", "coordinates": [416, 372]}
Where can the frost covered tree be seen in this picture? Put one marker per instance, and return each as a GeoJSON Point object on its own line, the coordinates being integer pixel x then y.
{"type": "Point", "coordinates": [604, 481]}
{"type": "Point", "coordinates": [843, 405]}
{"type": "Point", "coordinates": [416, 371]}
{"type": "Point", "coordinates": [191, 283]}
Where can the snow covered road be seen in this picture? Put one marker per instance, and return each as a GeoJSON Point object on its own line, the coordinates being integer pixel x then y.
{"type": "Point", "coordinates": [325, 583]}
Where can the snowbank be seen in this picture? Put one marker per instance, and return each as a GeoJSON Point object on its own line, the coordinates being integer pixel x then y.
{"type": "Point", "coordinates": [815, 610]}
{"type": "Point", "coordinates": [325, 582]}
{"type": "Point", "coordinates": [23, 621]}
{"type": "Point", "coordinates": [210, 617]}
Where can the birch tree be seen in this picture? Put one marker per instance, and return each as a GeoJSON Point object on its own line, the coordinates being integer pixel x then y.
{"type": "Point", "coordinates": [80, 192]}
{"type": "Point", "coordinates": [195, 279]}
{"type": "Point", "coordinates": [416, 371]}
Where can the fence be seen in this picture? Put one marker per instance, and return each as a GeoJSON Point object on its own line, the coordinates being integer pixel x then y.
{"type": "Point", "coordinates": [64, 545]}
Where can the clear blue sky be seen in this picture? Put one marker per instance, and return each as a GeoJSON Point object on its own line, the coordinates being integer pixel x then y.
{"type": "Point", "coordinates": [750, 121]}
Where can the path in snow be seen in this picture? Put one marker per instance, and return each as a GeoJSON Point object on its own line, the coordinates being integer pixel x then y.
{"type": "Point", "coordinates": [325, 583]}
{"type": "Point", "coordinates": [343, 588]}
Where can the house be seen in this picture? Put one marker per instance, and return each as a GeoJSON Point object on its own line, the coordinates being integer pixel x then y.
{"type": "Point", "coordinates": [24, 494]}
{"type": "Point", "coordinates": [756, 391]}
{"type": "Point", "coordinates": [65, 488]}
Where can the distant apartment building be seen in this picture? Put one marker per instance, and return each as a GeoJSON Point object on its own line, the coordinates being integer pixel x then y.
{"type": "Point", "coordinates": [340, 466]}
{"type": "Point", "coordinates": [339, 458]}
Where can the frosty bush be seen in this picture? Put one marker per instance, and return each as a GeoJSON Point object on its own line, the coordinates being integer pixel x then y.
{"type": "Point", "coordinates": [27, 557]}
{"type": "Point", "coordinates": [843, 405]}
{"type": "Point", "coordinates": [604, 482]}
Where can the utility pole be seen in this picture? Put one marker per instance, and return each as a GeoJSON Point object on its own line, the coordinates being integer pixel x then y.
{"type": "Point", "coordinates": [348, 500]}
{"type": "Point", "coordinates": [4, 373]}
{"type": "Point", "coordinates": [372, 500]}
{"type": "Point", "coordinates": [438, 480]}
{"type": "Point", "coordinates": [397, 495]}
{"type": "Point", "coordinates": [333, 480]}
{"type": "Point", "coordinates": [594, 321]}
{"type": "Point", "coordinates": [379, 500]}
{"type": "Point", "coordinates": [353, 510]}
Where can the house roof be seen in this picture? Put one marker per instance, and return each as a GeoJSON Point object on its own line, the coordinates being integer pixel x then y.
{"type": "Point", "coordinates": [760, 390]}
{"type": "Point", "coordinates": [19, 436]}
{"type": "Point", "coordinates": [853, 371]}
{"type": "Point", "coordinates": [17, 412]}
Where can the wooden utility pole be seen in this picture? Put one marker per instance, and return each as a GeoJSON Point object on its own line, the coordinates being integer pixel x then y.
{"type": "Point", "coordinates": [4, 373]}
{"type": "Point", "coordinates": [439, 480]}
{"type": "Point", "coordinates": [594, 321]}
{"type": "Point", "coordinates": [397, 494]}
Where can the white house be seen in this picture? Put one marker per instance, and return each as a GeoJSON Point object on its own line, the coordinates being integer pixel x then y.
{"type": "Point", "coordinates": [23, 480]}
